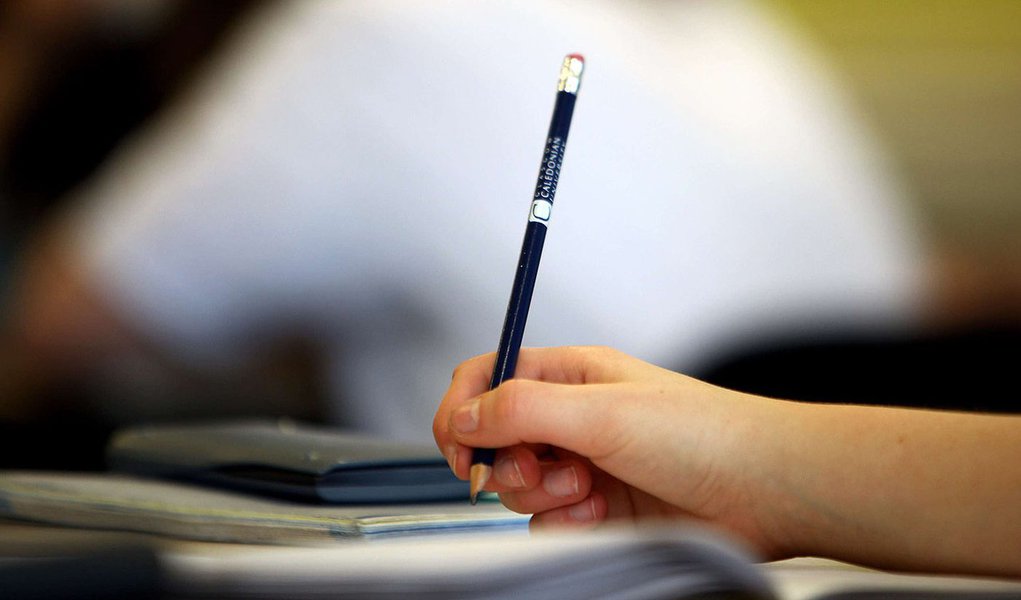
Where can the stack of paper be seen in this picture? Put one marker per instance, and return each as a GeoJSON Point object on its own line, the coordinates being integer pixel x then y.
{"type": "Point", "coordinates": [184, 511]}
{"type": "Point", "coordinates": [293, 550]}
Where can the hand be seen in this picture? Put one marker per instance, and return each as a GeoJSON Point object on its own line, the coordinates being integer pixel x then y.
{"type": "Point", "coordinates": [591, 434]}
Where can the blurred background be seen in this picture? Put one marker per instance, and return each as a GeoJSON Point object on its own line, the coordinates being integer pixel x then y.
{"type": "Point", "coordinates": [937, 82]}
{"type": "Point", "coordinates": [78, 77]}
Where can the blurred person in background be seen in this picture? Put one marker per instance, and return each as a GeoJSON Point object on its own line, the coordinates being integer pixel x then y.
{"type": "Point", "coordinates": [75, 79]}
{"type": "Point", "coordinates": [348, 181]}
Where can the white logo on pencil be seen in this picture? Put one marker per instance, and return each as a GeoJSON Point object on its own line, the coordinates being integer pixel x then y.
{"type": "Point", "coordinates": [541, 211]}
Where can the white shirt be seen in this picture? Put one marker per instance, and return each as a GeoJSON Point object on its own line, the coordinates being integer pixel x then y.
{"type": "Point", "coordinates": [362, 170]}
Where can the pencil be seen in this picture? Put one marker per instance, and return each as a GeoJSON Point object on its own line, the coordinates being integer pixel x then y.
{"type": "Point", "coordinates": [531, 249]}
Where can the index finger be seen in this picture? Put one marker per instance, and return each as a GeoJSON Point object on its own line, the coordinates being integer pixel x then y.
{"type": "Point", "coordinates": [566, 364]}
{"type": "Point", "coordinates": [571, 364]}
{"type": "Point", "coordinates": [562, 365]}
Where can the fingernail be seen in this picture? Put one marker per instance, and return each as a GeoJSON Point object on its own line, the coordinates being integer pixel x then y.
{"type": "Point", "coordinates": [563, 482]}
{"type": "Point", "coordinates": [451, 454]}
{"type": "Point", "coordinates": [466, 418]}
{"type": "Point", "coordinates": [583, 512]}
{"type": "Point", "coordinates": [508, 472]}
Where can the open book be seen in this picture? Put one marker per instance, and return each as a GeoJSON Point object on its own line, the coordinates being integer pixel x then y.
{"type": "Point", "coordinates": [561, 566]}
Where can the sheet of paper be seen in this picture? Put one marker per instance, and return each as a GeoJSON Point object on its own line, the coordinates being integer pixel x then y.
{"type": "Point", "coordinates": [607, 563]}
{"type": "Point", "coordinates": [822, 579]}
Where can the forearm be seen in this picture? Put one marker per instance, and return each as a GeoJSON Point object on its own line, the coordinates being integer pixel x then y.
{"type": "Point", "coordinates": [897, 488]}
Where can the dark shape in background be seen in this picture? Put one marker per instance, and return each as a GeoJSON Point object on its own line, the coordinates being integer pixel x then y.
{"type": "Point", "coordinates": [970, 368]}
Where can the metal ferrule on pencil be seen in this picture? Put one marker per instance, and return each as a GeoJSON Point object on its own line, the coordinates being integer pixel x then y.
{"type": "Point", "coordinates": [570, 74]}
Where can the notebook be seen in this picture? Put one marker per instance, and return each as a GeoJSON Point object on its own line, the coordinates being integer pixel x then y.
{"type": "Point", "coordinates": [287, 459]}
{"type": "Point", "coordinates": [180, 510]}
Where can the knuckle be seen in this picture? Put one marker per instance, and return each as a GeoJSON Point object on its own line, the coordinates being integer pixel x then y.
{"type": "Point", "coordinates": [460, 370]}
{"type": "Point", "coordinates": [592, 354]}
{"type": "Point", "coordinates": [603, 352]}
{"type": "Point", "coordinates": [468, 366]}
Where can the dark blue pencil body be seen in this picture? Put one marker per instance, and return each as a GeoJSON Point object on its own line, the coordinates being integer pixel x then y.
{"type": "Point", "coordinates": [531, 247]}
{"type": "Point", "coordinates": [535, 236]}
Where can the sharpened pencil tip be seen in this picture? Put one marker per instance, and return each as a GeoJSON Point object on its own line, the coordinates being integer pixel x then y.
{"type": "Point", "coordinates": [479, 476]}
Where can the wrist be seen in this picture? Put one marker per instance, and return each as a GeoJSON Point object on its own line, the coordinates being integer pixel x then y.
{"type": "Point", "coordinates": [782, 521]}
